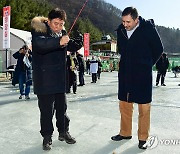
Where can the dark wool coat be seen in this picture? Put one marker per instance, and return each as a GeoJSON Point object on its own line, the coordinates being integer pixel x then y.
{"type": "Point", "coordinates": [162, 64]}
{"type": "Point", "coordinates": [138, 55]}
{"type": "Point", "coordinates": [49, 58]}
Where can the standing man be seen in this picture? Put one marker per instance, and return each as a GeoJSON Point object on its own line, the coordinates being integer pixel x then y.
{"type": "Point", "coordinates": [88, 66]}
{"type": "Point", "coordinates": [162, 66]}
{"type": "Point", "coordinates": [50, 44]}
{"type": "Point", "coordinates": [23, 71]}
{"type": "Point", "coordinates": [72, 65]}
{"type": "Point", "coordinates": [99, 68]}
{"type": "Point", "coordinates": [81, 69]}
{"type": "Point", "coordinates": [94, 69]}
{"type": "Point", "coordinates": [140, 47]}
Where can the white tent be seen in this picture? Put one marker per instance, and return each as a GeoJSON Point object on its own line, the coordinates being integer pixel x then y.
{"type": "Point", "coordinates": [17, 39]}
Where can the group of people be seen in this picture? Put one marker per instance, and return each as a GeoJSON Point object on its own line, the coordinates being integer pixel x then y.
{"type": "Point", "coordinates": [94, 67]}
{"type": "Point", "coordinates": [140, 47]}
{"type": "Point", "coordinates": [77, 65]}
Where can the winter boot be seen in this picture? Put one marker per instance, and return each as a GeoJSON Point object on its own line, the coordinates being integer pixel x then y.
{"type": "Point", "coordinates": [66, 137]}
{"type": "Point", "coordinates": [47, 142]}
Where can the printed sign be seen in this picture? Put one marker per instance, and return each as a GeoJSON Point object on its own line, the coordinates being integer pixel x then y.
{"type": "Point", "coordinates": [6, 27]}
{"type": "Point", "coordinates": [86, 44]}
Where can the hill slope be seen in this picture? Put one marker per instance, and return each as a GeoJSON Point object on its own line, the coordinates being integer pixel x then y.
{"type": "Point", "coordinates": [107, 17]}
{"type": "Point", "coordinates": [104, 16]}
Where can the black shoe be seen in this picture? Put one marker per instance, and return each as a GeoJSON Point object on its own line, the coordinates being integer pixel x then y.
{"type": "Point", "coordinates": [119, 137]}
{"type": "Point", "coordinates": [47, 141]}
{"type": "Point", "coordinates": [80, 85]}
{"type": "Point", "coordinates": [27, 97]}
{"type": "Point", "coordinates": [20, 97]}
{"type": "Point", "coordinates": [66, 137]}
{"type": "Point", "coordinates": [74, 92]}
{"type": "Point", "coordinates": [142, 145]}
{"type": "Point", "coordinates": [157, 84]}
{"type": "Point", "coordinates": [163, 84]}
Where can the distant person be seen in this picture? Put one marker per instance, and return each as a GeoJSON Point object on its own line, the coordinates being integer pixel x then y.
{"type": "Point", "coordinates": [50, 44]}
{"type": "Point", "coordinates": [72, 65]}
{"type": "Point", "coordinates": [176, 70]}
{"type": "Point", "coordinates": [140, 47]}
{"type": "Point", "coordinates": [162, 66]}
{"type": "Point", "coordinates": [94, 69]}
{"type": "Point", "coordinates": [111, 66]}
{"type": "Point", "coordinates": [99, 68]}
{"type": "Point", "coordinates": [88, 66]}
{"type": "Point", "coordinates": [81, 69]}
{"type": "Point", "coordinates": [23, 71]}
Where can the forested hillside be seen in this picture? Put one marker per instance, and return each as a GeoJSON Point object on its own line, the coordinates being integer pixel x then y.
{"type": "Point", "coordinates": [104, 16]}
{"type": "Point", "coordinates": [98, 18]}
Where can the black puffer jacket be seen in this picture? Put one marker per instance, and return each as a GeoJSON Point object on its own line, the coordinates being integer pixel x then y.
{"type": "Point", "coordinates": [49, 58]}
{"type": "Point", "coordinates": [138, 55]}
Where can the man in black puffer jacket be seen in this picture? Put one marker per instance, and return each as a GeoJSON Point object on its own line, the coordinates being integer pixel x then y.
{"type": "Point", "coordinates": [49, 45]}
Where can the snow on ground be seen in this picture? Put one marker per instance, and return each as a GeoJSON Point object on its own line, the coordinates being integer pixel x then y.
{"type": "Point", "coordinates": [94, 115]}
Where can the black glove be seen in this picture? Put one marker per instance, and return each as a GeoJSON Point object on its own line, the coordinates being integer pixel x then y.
{"type": "Point", "coordinates": [79, 37]}
{"type": "Point", "coordinates": [76, 43]}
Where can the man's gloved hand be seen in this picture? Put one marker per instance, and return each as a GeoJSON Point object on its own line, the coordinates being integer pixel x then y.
{"type": "Point", "coordinates": [75, 43]}
{"type": "Point", "coordinates": [79, 37]}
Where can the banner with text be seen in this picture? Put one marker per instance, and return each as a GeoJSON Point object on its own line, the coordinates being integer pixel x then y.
{"type": "Point", "coordinates": [86, 44]}
{"type": "Point", "coordinates": [6, 27]}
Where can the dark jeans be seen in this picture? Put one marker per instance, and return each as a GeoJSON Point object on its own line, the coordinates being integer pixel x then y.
{"type": "Point", "coordinates": [48, 104]}
{"type": "Point", "coordinates": [98, 74]}
{"type": "Point", "coordinates": [81, 78]}
{"type": "Point", "coordinates": [22, 80]}
{"type": "Point", "coordinates": [94, 77]}
{"type": "Point", "coordinates": [72, 81]}
{"type": "Point", "coordinates": [160, 74]}
{"type": "Point", "coordinates": [88, 70]}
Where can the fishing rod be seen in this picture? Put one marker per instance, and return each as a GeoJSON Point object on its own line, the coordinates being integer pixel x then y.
{"type": "Point", "coordinates": [77, 17]}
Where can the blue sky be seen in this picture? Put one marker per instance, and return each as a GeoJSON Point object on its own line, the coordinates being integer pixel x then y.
{"type": "Point", "coordinates": [164, 12]}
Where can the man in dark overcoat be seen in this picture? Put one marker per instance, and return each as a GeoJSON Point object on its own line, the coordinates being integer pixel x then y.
{"type": "Point", "coordinates": [162, 66]}
{"type": "Point", "coordinates": [49, 45]}
{"type": "Point", "coordinates": [140, 47]}
{"type": "Point", "coordinates": [81, 69]}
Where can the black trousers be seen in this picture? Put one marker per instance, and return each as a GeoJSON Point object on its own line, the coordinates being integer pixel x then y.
{"type": "Point", "coordinates": [48, 105]}
{"type": "Point", "coordinates": [94, 77]}
{"type": "Point", "coordinates": [160, 74]}
{"type": "Point", "coordinates": [81, 78]}
{"type": "Point", "coordinates": [72, 81]}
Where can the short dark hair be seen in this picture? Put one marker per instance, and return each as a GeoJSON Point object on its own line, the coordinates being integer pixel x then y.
{"type": "Point", "coordinates": [57, 13]}
{"type": "Point", "coordinates": [25, 47]}
{"type": "Point", "coordinates": [130, 11]}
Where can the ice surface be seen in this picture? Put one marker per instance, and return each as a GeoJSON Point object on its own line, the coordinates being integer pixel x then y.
{"type": "Point", "coordinates": [94, 115]}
